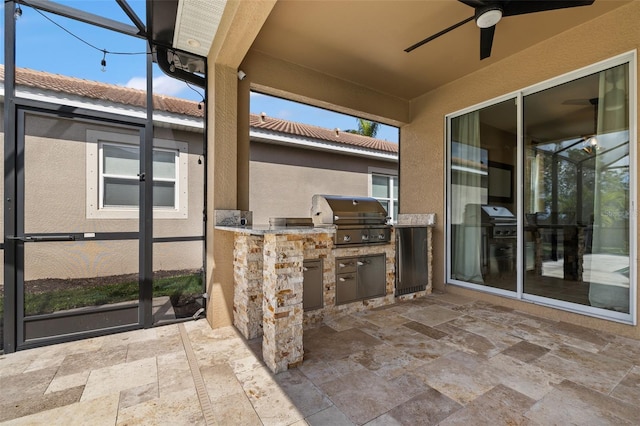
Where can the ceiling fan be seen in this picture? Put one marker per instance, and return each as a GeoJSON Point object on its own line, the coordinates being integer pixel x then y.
{"type": "Point", "coordinates": [489, 12]}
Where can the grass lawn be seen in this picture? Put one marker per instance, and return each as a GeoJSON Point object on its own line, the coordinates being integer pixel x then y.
{"type": "Point", "coordinates": [95, 295]}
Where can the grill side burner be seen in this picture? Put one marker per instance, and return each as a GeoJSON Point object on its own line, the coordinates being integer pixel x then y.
{"type": "Point", "coordinates": [359, 220]}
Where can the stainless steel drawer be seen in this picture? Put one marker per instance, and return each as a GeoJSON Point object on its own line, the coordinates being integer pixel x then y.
{"type": "Point", "coordinates": [346, 264]}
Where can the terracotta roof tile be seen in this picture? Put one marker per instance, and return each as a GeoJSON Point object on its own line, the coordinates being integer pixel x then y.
{"type": "Point", "coordinates": [137, 98]}
{"type": "Point", "coordinates": [102, 91]}
{"type": "Point", "coordinates": [309, 131]}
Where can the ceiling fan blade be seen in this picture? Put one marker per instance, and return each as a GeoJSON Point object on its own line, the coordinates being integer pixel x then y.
{"type": "Point", "coordinates": [446, 30]}
{"type": "Point", "coordinates": [531, 6]}
{"type": "Point", "coordinates": [486, 41]}
{"type": "Point", "coordinates": [473, 3]}
{"type": "Point", "coordinates": [583, 101]}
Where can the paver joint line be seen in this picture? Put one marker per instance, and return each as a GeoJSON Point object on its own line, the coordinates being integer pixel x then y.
{"type": "Point", "coordinates": [201, 390]}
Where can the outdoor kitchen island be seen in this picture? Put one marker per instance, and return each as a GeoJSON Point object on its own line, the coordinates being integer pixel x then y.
{"type": "Point", "coordinates": [269, 265]}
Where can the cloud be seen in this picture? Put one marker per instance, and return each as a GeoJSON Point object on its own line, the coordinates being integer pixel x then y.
{"type": "Point", "coordinates": [285, 114]}
{"type": "Point", "coordinates": [163, 85]}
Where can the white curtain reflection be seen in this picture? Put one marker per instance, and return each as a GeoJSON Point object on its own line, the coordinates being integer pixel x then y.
{"type": "Point", "coordinates": [466, 199]}
{"type": "Point", "coordinates": [611, 290]}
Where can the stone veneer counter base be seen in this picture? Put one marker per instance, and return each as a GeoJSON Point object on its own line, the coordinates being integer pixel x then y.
{"type": "Point", "coordinates": [268, 284]}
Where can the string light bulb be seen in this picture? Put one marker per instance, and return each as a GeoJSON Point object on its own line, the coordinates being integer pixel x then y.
{"type": "Point", "coordinates": [18, 12]}
{"type": "Point", "coordinates": [103, 62]}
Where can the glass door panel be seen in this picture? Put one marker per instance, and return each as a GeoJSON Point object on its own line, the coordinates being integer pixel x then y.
{"type": "Point", "coordinates": [77, 272]}
{"type": "Point", "coordinates": [483, 223]}
{"type": "Point", "coordinates": [577, 197]}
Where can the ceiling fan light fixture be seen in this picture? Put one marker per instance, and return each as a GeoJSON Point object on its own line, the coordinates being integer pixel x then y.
{"type": "Point", "coordinates": [488, 16]}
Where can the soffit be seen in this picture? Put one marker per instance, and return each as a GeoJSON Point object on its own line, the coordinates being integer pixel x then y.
{"type": "Point", "coordinates": [364, 42]}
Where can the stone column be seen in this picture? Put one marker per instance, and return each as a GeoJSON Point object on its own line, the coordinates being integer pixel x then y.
{"type": "Point", "coordinates": [282, 301]}
{"type": "Point", "coordinates": [247, 296]}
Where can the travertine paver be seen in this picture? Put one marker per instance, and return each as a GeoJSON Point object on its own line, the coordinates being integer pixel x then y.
{"type": "Point", "coordinates": [440, 359]}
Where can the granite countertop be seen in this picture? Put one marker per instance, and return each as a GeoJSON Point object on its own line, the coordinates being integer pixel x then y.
{"type": "Point", "coordinates": [266, 229]}
{"type": "Point", "coordinates": [416, 220]}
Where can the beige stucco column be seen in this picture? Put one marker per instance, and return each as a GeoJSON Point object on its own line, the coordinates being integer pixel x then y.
{"type": "Point", "coordinates": [227, 159]}
{"type": "Point", "coordinates": [221, 190]}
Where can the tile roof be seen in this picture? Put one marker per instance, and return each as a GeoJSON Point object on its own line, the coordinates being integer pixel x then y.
{"type": "Point", "coordinates": [315, 132]}
{"type": "Point", "coordinates": [102, 91]}
{"type": "Point", "coordinates": [133, 97]}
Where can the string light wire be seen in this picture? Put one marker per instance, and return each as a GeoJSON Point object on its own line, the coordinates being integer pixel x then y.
{"type": "Point", "coordinates": [105, 52]}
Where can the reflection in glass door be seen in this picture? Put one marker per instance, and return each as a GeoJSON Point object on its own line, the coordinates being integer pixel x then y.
{"type": "Point", "coordinates": [577, 191]}
{"type": "Point", "coordinates": [482, 216]}
{"type": "Point", "coordinates": [77, 259]}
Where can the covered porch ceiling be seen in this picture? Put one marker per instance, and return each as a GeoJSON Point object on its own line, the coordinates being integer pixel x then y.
{"type": "Point", "coordinates": [363, 42]}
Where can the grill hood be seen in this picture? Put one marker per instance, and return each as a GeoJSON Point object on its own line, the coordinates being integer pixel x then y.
{"type": "Point", "coordinates": [338, 209]}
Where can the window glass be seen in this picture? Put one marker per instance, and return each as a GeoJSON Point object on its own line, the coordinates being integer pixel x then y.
{"type": "Point", "coordinates": [385, 204]}
{"type": "Point", "coordinates": [380, 186]}
{"type": "Point", "coordinates": [121, 160]}
{"type": "Point", "coordinates": [120, 192]}
{"type": "Point", "coordinates": [385, 189]}
{"type": "Point", "coordinates": [164, 194]}
{"type": "Point", "coordinates": [164, 164]}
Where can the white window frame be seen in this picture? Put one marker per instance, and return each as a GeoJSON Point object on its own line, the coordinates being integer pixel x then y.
{"type": "Point", "coordinates": [393, 197]}
{"type": "Point", "coordinates": [95, 177]}
{"type": "Point", "coordinates": [630, 318]}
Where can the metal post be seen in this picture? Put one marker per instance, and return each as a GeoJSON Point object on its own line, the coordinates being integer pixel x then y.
{"type": "Point", "coordinates": [146, 205]}
{"type": "Point", "coordinates": [9, 338]}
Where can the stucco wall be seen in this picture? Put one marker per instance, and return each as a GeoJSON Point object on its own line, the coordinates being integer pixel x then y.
{"type": "Point", "coordinates": [55, 202]}
{"type": "Point", "coordinates": [422, 147]}
{"type": "Point", "coordinates": [283, 179]}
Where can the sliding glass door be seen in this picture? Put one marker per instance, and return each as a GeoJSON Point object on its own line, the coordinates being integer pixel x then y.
{"type": "Point", "coordinates": [483, 225]}
{"type": "Point", "coordinates": [577, 191]}
{"type": "Point", "coordinates": [540, 194]}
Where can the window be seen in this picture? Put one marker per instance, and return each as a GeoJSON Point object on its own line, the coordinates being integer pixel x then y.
{"type": "Point", "coordinates": [384, 188]}
{"type": "Point", "coordinates": [570, 227]}
{"type": "Point", "coordinates": [119, 179]}
{"type": "Point", "coordinates": [113, 182]}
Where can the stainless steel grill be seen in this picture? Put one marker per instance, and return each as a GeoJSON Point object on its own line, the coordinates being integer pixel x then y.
{"type": "Point", "coordinates": [499, 221]}
{"type": "Point", "coordinates": [359, 220]}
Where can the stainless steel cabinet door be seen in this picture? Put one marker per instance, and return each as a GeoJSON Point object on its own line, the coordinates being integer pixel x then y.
{"type": "Point", "coordinates": [312, 294]}
{"type": "Point", "coordinates": [372, 276]}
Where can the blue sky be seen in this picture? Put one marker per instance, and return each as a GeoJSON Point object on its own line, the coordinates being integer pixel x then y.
{"type": "Point", "coordinates": [44, 46]}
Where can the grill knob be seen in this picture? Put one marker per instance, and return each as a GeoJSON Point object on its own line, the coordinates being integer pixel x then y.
{"type": "Point", "coordinates": [381, 237]}
{"type": "Point", "coordinates": [365, 237]}
{"type": "Point", "coordinates": [347, 238]}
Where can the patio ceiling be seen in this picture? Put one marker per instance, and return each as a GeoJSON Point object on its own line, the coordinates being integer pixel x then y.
{"type": "Point", "coordinates": [364, 41]}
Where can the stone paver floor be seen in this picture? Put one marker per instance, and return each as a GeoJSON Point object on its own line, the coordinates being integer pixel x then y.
{"type": "Point", "coordinates": [441, 359]}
